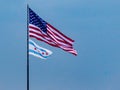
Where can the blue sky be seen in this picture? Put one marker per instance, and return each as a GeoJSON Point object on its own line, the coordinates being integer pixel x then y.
{"type": "Point", "coordinates": [93, 24]}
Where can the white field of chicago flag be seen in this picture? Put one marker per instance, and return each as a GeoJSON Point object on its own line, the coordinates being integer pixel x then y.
{"type": "Point", "coordinates": [38, 51]}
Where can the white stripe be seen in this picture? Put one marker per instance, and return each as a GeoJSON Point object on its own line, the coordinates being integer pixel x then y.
{"type": "Point", "coordinates": [42, 38]}
{"type": "Point", "coordinates": [59, 34]}
{"type": "Point", "coordinates": [56, 38]}
{"type": "Point", "coordinates": [34, 26]}
{"type": "Point", "coordinates": [46, 39]}
{"type": "Point", "coordinates": [61, 43]}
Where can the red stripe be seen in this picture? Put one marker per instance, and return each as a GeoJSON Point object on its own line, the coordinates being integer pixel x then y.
{"type": "Point", "coordinates": [34, 28]}
{"type": "Point", "coordinates": [70, 51]}
{"type": "Point", "coordinates": [44, 41]}
{"type": "Point", "coordinates": [49, 40]}
{"type": "Point", "coordinates": [52, 41]}
{"type": "Point", "coordinates": [56, 35]}
{"type": "Point", "coordinates": [39, 34]}
{"type": "Point", "coordinates": [58, 42]}
{"type": "Point", "coordinates": [46, 36]}
{"type": "Point", "coordinates": [60, 32]}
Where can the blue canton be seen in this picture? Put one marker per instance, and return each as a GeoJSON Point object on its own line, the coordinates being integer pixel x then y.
{"type": "Point", "coordinates": [37, 21]}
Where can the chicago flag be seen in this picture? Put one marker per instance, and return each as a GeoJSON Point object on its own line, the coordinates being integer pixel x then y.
{"type": "Point", "coordinates": [38, 51]}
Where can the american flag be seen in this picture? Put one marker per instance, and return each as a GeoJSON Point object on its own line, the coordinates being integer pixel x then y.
{"type": "Point", "coordinates": [43, 31]}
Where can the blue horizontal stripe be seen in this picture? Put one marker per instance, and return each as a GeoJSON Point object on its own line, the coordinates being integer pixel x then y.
{"type": "Point", "coordinates": [36, 47]}
{"type": "Point", "coordinates": [37, 53]}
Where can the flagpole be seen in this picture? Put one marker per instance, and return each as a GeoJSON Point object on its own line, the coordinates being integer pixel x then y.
{"type": "Point", "coordinates": [27, 47]}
